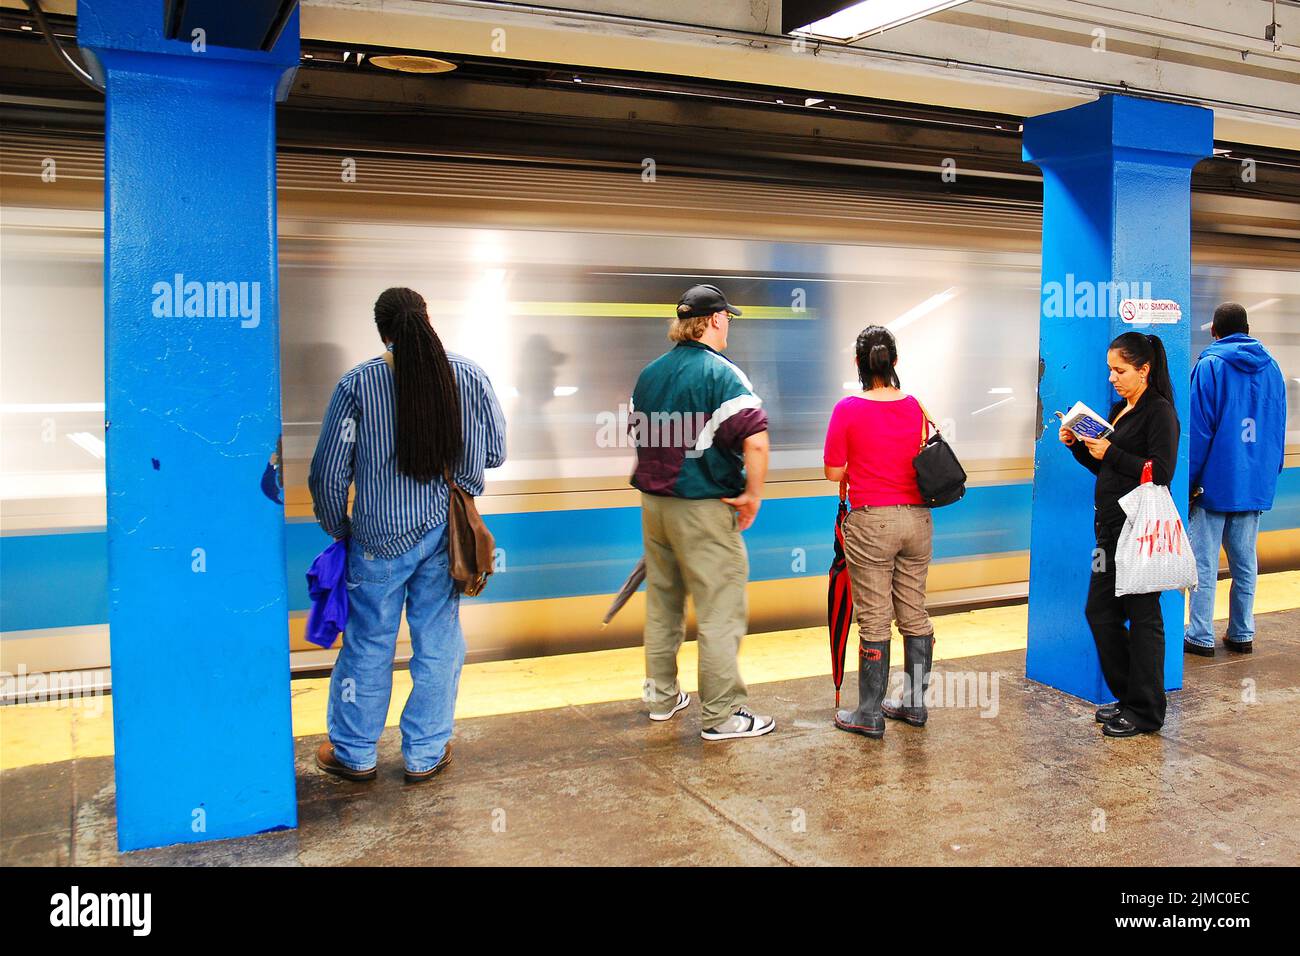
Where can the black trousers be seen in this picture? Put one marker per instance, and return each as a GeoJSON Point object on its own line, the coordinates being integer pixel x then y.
{"type": "Point", "coordinates": [1130, 636]}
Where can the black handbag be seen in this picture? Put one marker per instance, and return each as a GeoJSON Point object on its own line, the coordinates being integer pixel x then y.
{"type": "Point", "coordinates": [939, 475]}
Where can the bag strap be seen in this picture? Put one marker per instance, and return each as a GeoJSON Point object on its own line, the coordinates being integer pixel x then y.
{"type": "Point", "coordinates": [926, 422]}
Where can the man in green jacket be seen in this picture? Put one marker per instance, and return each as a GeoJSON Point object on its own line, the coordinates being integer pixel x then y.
{"type": "Point", "coordinates": [701, 441]}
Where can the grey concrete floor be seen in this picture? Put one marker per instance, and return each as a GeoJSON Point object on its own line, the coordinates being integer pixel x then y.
{"type": "Point", "coordinates": [1034, 784]}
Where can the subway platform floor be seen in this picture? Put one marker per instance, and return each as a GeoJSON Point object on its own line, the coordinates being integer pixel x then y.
{"type": "Point", "coordinates": [1007, 772]}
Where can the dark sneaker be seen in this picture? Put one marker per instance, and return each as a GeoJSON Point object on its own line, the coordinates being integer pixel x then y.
{"type": "Point", "coordinates": [412, 777]}
{"type": "Point", "coordinates": [1239, 647]}
{"type": "Point", "coordinates": [683, 701]}
{"type": "Point", "coordinates": [326, 760]}
{"type": "Point", "coordinates": [1107, 713]}
{"type": "Point", "coordinates": [740, 724]}
{"type": "Point", "coordinates": [1191, 647]}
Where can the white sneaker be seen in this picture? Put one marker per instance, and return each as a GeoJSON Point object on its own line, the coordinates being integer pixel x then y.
{"type": "Point", "coordinates": [683, 701]}
{"type": "Point", "coordinates": [740, 724]}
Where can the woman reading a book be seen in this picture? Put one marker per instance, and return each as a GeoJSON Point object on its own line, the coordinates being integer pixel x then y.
{"type": "Point", "coordinates": [1144, 427]}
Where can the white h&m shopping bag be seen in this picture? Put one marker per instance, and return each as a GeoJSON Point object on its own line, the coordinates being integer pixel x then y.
{"type": "Point", "coordinates": [1154, 552]}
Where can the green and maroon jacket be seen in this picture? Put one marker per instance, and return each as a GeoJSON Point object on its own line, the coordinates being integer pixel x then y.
{"type": "Point", "coordinates": [692, 410]}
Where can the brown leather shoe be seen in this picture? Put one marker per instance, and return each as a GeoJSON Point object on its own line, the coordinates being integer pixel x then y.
{"type": "Point", "coordinates": [326, 760]}
{"type": "Point", "coordinates": [432, 771]}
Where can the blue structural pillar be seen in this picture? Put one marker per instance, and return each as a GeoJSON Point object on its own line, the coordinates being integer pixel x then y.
{"type": "Point", "coordinates": [1116, 235]}
{"type": "Point", "coordinates": [197, 603]}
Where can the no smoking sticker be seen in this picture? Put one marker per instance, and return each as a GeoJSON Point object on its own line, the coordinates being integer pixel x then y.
{"type": "Point", "coordinates": [1150, 311]}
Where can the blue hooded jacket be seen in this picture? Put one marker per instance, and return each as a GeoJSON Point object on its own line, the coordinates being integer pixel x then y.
{"type": "Point", "coordinates": [1238, 425]}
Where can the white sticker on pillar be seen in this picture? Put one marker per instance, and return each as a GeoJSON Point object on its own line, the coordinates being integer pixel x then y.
{"type": "Point", "coordinates": [1150, 311]}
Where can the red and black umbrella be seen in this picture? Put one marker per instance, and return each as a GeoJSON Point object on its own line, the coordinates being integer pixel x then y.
{"type": "Point", "coordinates": [839, 599]}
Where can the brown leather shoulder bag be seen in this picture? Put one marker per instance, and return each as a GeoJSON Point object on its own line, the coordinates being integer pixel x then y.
{"type": "Point", "coordinates": [469, 542]}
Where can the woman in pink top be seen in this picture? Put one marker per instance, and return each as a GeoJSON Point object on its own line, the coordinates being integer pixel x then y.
{"type": "Point", "coordinates": [888, 534]}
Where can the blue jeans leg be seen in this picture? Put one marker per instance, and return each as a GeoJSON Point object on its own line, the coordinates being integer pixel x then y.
{"type": "Point", "coordinates": [1205, 529]}
{"type": "Point", "coordinates": [437, 653]}
{"type": "Point", "coordinates": [1241, 532]}
{"type": "Point", "coordinates": [362, 682]}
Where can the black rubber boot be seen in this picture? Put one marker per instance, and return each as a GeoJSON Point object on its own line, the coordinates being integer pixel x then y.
{"type": "Point", "coordinates": [873, 679]}
{"type": "Point", "coordinates": [918, 656]}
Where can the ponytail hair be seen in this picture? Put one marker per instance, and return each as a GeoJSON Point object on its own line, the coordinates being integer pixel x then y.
{"type": "Point", "coordinates": [428, 434]}
{"type": "Point", "coordinates": [876, 354]}
{"type": "Point", "coordinates": [1139, 349]}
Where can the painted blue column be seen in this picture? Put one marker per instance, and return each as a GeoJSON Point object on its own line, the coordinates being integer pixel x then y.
{"type": "Point", "coordinates": [197, 602]}
{"type": "Point", "coordinates": [1116, 225]}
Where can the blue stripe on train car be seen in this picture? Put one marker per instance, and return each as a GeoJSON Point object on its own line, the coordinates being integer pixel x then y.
{"type": "Point", "coordinates": [60, 580]}
{"type": "Point", "coordinates": [53, 580]}
{"type": "Point", "coordinates": [1286, 506]}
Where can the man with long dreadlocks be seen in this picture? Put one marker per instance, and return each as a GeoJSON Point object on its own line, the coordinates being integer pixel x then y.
{"type": "Point", "coordinates": [394, 426]}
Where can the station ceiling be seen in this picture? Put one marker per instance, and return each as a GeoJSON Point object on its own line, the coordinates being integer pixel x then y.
{"type": "Point", "coordinates": [509, 93]}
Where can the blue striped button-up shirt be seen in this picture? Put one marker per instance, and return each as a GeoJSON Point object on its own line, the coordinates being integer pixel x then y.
{"type": "Point", "coordinates": [393, 511]}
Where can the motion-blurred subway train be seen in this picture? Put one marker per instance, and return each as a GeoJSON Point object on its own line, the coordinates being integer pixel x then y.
{"type": "Point", "coordinates": [560, 279]}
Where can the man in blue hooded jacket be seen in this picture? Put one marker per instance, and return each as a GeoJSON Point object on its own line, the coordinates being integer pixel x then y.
{"type": "Point", "coordinates": [1238, 439]}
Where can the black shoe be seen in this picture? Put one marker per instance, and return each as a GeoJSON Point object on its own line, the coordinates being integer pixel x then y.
{"type": "Point", "coordinates": [1198, 649]}
{"type": "Point", "coordinates": [918, 656]}
{"type": "Point", "coordinates": [1120, 727]}
{"type": "Point", "coordinates": [873, 679]}
{"type": "Point", "coordinates": [1240, 647]}
{"type": "Point", "coordinates": [1107, 713]}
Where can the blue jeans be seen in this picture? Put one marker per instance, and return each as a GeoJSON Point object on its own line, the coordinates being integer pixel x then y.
{"type": "Point", "coordinates": [362, 682]}
{"type": "Point", "coordinates": [1237, 532]}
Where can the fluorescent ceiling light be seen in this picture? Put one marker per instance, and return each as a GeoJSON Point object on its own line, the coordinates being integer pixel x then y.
{"type": "Point", "coordinates": [923, 309]}
{"type": "Point", "coordinates": [1262, 305]}
{"type": "Point", "coordinates": [813, 100]}
{"type": "Point", "coordinates": [564, 391]}
{"type": "Point", "coordinates": [999, 390]}
{"type": "Point", "coordinates": [872, 16]}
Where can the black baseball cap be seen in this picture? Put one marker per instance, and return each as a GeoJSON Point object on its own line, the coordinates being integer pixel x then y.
{"type": "Point", "coordinates": [703, 300]}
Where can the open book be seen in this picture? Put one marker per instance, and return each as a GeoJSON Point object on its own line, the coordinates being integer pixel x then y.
{"type": "Point", "coordinates": [1086, 423]}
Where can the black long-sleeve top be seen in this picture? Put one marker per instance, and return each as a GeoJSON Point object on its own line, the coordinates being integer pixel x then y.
{"type": "Point", "coordinates": [1147, 433]}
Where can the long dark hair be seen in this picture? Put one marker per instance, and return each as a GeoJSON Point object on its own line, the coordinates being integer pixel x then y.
{"type": "Point", "coordinates": [1139, 349]}
{"type": "Point", "coordinates": [877, 352]}
{"type": "Point", "coordinates": [428, 435]}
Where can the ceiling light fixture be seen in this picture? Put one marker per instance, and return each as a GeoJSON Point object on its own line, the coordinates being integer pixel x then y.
{"type": "Point", "coordinates": [413, 64]}
{"type": "Point", "coordinates": [836, 21]}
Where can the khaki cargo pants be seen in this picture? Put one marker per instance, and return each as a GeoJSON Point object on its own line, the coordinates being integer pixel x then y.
{"type": "Point", "coordinates": [694, 546]}
{"type": "Point", "coordinates": [888, 548]}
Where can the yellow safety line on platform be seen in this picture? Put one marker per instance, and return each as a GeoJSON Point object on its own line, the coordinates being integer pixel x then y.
{"type": "Point", "coordinates": [48, 733]}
